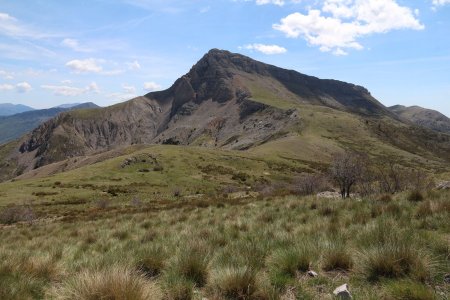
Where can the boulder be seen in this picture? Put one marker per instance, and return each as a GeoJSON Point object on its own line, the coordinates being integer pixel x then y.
{"type": "Point", "coordinates": [311, 273]}
{"type": "Point", "coordinates": [443, 185]}
{"type": "Point", "coordinates": [342, 292]}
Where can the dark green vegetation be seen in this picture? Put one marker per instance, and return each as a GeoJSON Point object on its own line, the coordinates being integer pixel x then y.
{"type": "Point", "coordinates": [13, 126]}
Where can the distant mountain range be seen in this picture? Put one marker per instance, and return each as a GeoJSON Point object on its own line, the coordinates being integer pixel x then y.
{"type": "Point", "coordinates": [8, 109]}
{"type": "Point", "coordinates": [423, 117]}
{"type": "Point", "coordinates": [14, 126]}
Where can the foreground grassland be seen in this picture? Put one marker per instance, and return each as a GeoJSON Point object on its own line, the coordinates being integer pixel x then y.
{"type": "Point", "coordinates": [218, 248]}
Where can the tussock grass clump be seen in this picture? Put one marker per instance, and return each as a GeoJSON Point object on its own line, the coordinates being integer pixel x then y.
{"type": "Point", "coordinates": [285, 263]}
{"type": "Point", "coordinates": [114, 283]}
{"type": "Point", "coordinates": [151, 261]}
{"type": "Point", "coordinates": [385, 198]}
{"type": "Point", "coordinates": [415, 196]}
{"type": "Point", "coordinates": [337, 259]}
{"type": "Point", "coordinates": [177, 287]}
{"type": "Point", "coordinates": [397, 260]}
{"type": "Point", "coordinates": [191, 264]}
{"type": "Point", "coordinates": [394, 253]}
{"type": "Point", "coordinates": [408, 290]}
{"type": "Point", "coordinates": [233, 282]}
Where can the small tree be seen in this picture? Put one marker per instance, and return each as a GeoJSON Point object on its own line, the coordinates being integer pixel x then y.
{"type": "Point", "coordinates": [346, 170]}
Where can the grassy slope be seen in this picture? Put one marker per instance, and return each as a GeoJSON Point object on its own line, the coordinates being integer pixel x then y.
{"type": "Point", "coordinates": [326, 131]}
{"type": "Point", "coordinates": [190, 169]}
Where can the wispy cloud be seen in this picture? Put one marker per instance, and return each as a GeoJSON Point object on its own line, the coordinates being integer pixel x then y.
{"type": "Point", "coordinates": [89, 65]}
{"type": "Point", "coordinates": [151, 86]}
{"type": "Point", "coordinates": [21, 87]}
{"type": "Point", "coordinates": [10, 26]}
{"type": "Point", "coordinates": [66, 90]}
{"type": "Point", "coordinates": [75, 45]}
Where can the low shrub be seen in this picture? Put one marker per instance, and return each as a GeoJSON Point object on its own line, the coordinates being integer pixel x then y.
{"type": "Point", "coordinates": [14, 214]}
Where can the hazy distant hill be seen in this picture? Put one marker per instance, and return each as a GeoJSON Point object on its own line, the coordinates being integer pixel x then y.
{"type": "Point", "coordinates": [423, 117]}
{"type": "Point", "coordinates": [68, 105]}
{"type": "Point", "coordinates": [8, 109]}
{"type": "Point", "coordinates": [14, 126]}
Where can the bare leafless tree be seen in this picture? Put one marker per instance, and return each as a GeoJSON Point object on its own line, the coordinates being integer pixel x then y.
{"type": "Point", "coordinates": [346, 169]}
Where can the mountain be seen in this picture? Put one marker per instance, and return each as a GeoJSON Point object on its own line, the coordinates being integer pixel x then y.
{"type": "Point", "coordinates": [7, 109]}
{"type": "Point", "coordinates": [233, 102]}
{"type": "Point", "coordinates": [68, 105]}
{"type": "Point", "coordinates": [14, 126]}
{"type": "Point", "coordinates": [423, 117]}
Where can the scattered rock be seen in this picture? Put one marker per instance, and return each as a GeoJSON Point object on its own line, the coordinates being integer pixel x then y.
{"type": "Point", "coordinates": [128, 161]}
{"type": "Point", "coordinates": [447, 278]}
{"type": "Point", "coordinates": [329, 195]}
{"type": "Point", "coordinates": [242, 195]}
{"type": "Point", "coordinates": [342, 292]}
{"type": "Point", "coordinates": [311, 273]}
{"type": "Point", "coordinates": [443, 185]}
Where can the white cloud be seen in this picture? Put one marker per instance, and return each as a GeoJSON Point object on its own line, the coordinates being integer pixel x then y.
{"type": "Point", "coordinates": [266, 49]}
{"type": "Point", "coordinates": [276, 2]}
{"type": "Point", "coordinates": [23, 87]}
{"type": "Point", "coordinates": [65, 90]}
{"type": "Point", "coordinates": [6, 75]}
{"type": "Point", "coordinates": [133, 65]}
{"type": "Point", "coordinates": [74, 45]}
{"type": "Point", "coordinates": [93, 87]}
{"type": "Point", "coordinates": [6, 87]}
{"type": "Point", "coordinates": [340, 23]}
{"type": "Point", "coordinates": [89, 65]}
{"type": "Point", "coordinates": [151, 86]}
{"type": "Point", "coordinates": [440, 2]}
{"type": "Point", "coordinates": [129, 89]}
{"type": "Point", "coordinates": [92, 65]}
{"type": "Point", "coordinates": [10, 26]}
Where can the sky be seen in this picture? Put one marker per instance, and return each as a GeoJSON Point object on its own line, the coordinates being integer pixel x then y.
{"type": "Point", "coordinates": [108, 51]}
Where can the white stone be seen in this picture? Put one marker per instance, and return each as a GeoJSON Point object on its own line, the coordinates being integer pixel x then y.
{"type": "Point", "coordinates": [342, 292]}
{"type": "Point", "coordinates": [312, 273]}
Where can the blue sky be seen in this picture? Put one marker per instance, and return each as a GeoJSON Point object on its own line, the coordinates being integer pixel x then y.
{"type": "Point", "coordinates": [107, 51]}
